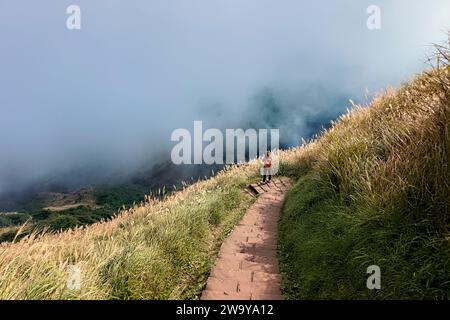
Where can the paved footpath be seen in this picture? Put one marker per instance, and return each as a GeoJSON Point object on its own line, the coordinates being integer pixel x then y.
{"type": "Point", "coordinates": [247, 265]}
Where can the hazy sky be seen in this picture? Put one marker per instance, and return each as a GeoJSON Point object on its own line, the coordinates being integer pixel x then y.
{"type": "Point", "coordinates": [113, 91]}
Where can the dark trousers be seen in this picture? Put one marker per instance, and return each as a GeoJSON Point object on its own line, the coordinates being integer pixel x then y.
{"type": "Point", "coordinates": [267, 176]}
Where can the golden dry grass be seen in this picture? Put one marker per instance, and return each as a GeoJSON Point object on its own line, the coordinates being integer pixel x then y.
{"type": "Point", "coordinates": [158, 250]}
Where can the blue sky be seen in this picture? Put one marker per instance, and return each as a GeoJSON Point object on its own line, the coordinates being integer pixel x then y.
{"type": "Point", "coordinates": [113, 91]}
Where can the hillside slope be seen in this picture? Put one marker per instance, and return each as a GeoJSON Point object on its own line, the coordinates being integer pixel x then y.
{"type": "Point", "coordinates": [375, 190]}
{"type": "Point", "coordinates": [161, 249]}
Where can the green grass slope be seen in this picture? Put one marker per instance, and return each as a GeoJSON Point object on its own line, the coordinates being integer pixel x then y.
{"type": "Point", "coordinates": [374, 190]}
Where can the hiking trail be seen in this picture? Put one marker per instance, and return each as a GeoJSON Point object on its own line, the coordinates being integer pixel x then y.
{"type": "Point", "coordinates": [247, 265]}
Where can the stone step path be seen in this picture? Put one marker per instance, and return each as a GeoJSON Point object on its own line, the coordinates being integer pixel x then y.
{"type": "Point", "coordinates": [247, 265]}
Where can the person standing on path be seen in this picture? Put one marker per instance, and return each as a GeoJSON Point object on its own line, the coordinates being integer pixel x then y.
{"type": "Point", "coordinates": [266, 170]}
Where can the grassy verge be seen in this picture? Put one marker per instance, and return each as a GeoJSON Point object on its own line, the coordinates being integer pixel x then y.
{"type": "Point", "coordinates": [163, 249]}
{"type": "Point", "coordinates": [326, 247]}
{"type": "Point", "coordinates": [374, 190]}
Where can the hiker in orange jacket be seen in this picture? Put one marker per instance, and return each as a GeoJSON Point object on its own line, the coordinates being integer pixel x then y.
{"type": "Point", "coordinates": [267, 166]}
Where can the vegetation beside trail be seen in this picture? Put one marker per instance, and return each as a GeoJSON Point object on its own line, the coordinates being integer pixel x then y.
{"type": "Point", "coordinates": [162, 249]}
{"type": "Point", "coordinates": [374, 190]}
